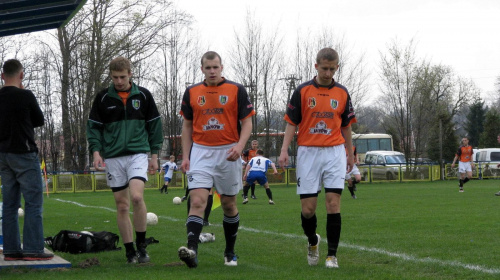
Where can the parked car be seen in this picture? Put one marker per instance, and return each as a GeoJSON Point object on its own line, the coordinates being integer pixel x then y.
{"type": "Point", "coordinates": [385, 165]}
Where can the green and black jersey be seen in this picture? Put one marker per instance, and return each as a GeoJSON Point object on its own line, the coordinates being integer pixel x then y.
{"type": "Point", "coordinates": [115, 129]}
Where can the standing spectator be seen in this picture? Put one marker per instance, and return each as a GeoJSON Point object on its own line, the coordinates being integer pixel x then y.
{"type": "Point", "coordinates": [256, 171]}
{"type": "Point", "coordinates": [247, 156]}
{"type": "Point", "coordinates": [465, 163]}
{"type": "Point", "coordinates": [20, 167]}
{"type": "Point", "coordinates": [124, 125]}
{"type": "Point", "coordinates": [168, 169]}
{"type": "Point", "coordinates": [217, 124]}
{"type": "Point", "coordinates": [323, 111]}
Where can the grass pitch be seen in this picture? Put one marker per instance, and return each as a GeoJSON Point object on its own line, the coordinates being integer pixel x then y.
{"type": "Point", "coordinates": [392, 231]}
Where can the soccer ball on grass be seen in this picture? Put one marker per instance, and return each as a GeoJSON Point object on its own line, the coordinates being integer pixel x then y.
{"type": "Point", "coordinates": [177, 200]}
{"type": "Point", "coordinates": [152, 219]}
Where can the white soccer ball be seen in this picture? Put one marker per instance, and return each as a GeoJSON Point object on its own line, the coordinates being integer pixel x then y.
{"type": "Point", "coordinates": [152, 219]}
{"type": "Point", "coordinates": [177, 200]}
{"type": "Point", "coordinates": [20, 212]}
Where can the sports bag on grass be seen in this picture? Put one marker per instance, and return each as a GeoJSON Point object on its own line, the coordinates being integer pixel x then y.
{"type": "Point", "coordinates": [76, 242]}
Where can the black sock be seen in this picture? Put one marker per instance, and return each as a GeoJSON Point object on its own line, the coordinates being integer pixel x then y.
{"type": "Point", "coordinates": [269, 193]}
{"type": "Point", "coordinates": [194, 226]}
{"type": "Point", "coordinates": [351, 190]}
{"type": "Point", "coordinates": [140, 237]}
{"type": "Point", "coordinates": [333, 227]}
{"type": "Point", "coordinates": [461, 182]}
{"type": "Point", "coordinates": [230, 225]}
{"type": "Point", "coordinates": [309, 227]}
{"type": "Point", "coordinates": [129, 247]}
{"type": "Point", "coordinates": [466, 180]}
{"type": "Point", "coordinates": [253, 189]}
{"type": "Point", "coordinates": [208, 209]}
{"type": "Point", "coordinates": [245, 190]}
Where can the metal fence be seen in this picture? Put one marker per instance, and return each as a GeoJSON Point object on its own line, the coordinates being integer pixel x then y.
{"type": "Point", "coordinates": [94, 182]}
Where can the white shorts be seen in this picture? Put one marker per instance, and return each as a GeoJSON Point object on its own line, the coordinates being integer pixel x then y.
{"type": "Point", "coordinates": [208, 168]}
{"type": "Point", "coordinates": [354, 171]}
{"type": "Point", "coordinates": [316, 165]}
{"type": "Point", "coordinates": [464, 167]}
{"type": "Point", "coordinates": [120, 170]}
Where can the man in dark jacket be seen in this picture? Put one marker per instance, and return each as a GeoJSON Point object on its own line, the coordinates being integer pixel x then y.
{"type": "Point", "coordinates": [20, 167]}
{"type": "Point", "coordinates": [124, 125]}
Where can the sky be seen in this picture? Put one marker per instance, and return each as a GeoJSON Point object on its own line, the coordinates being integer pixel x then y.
{"type": "Point", "coordinates": [462, 34]}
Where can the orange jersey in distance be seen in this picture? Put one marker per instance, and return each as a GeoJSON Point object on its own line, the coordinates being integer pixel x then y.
{"type": "Point", "coordinates": [320, 112]}
{"type": "Point", "coordinates": [249, 154]}
{"type": "Point", "coordinates": [216, 112]}
{"type": "Point", "coordinates": [465, 153]}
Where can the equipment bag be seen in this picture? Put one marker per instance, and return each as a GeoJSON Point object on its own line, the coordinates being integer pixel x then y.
{"type": "Point", "coordinates": [76, 242]}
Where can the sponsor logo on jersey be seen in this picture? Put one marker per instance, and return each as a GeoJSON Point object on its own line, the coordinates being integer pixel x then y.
{"type": "Point", "coordinates": [212, 111]}
{"type": "Point", "coordinates": [334, 103]}
{"type": "Point", "coordinates": [223, 99]}
{"type": "Point", "coordinates": [201, 100]}
{"type": "Point", "coordinates": [326, 115]}
{"type": "Point", "coordinates": [213, 124]}
{"type": "Point", "coordinates": [311, 102]}
{"type": "Point", "coordinates": [320, 128]}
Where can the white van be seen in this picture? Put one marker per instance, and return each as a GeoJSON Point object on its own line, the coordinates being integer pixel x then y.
{"type": "Point", "coordinates": [488, 159]}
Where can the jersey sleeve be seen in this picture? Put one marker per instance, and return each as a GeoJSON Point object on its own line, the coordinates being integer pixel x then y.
{"type": "Point", "coordinates": [245, 106]}
{"type": "Point", "coordinates": [348, 116]}
{"type": "Point", "coordinates": [293, 113]}
{"type": "Point", "coordinates": [186, 109]}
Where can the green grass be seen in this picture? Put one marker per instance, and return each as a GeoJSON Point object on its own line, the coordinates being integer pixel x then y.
{"type": "Point", "coordinates": [392, 231]}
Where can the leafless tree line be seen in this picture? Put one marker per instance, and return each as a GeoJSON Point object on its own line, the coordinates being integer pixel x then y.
{"type": "Point", "coordinates": [69, 66]}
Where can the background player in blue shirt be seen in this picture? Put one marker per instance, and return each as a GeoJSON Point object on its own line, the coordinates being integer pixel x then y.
{"type": "Point", "coordinates": [256, 171]}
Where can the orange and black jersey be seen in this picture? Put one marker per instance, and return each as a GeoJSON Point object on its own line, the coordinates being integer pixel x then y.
{"type": "Point", "coordinates": [465, 153]}
{"type": "Point", "coordinates": [320, 111]}
{"type": "Point", "coordinates": [249, 154]}
{"type": "Point", "coordinates": [216, 112]}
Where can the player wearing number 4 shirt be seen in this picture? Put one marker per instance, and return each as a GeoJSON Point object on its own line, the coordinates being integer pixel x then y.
{"type": "Point", "coordinates": [217, 124]}
{"type": "Point", "coordinates": [256, 171]}
{"type": "Point", "coordinates": [322, 109]}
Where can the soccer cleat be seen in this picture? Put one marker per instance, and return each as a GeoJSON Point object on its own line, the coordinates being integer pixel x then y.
{"type": "Point", "coordinates": [13, 257]}
{"type": "Point", "coordinates": [313, 252]}
{"type": "Point", "coordinates": [188, 256]}
{"type": "Point", "coordinates": [38, 256]}
{"type": "Point", "coordinates": [183, 198]}
{"type": "Point", "coordinates": [271, 202]}
{"type": "Point", "coordinates": [497, 194]}
{"type": "Point", "coordinates": [461, 190]}
{"type": "Point", "coordinates": [142, 254]}
{"type": "Point", "coordinates": [132, 257]}
{"type": "Point", "coordinates": [245, 200]}
{"type": "Point", "coordinates": [331, 262]}
{"type": "Point", "coordinates": [354, 196]}
{"type": "Point", "coordinates": [230, 259]}
{"type": "Point", "coordinates": [254, 197]}
{"type": "Point", "coordinates": [206, 223]}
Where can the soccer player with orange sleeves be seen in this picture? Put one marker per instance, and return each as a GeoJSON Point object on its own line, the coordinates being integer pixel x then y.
{"type": "Point", "coordinates": [465, 163]}
{"type": "Point", "coordinates": [322, 110]}
{"type": "Point", "coordinates": [217, 125]}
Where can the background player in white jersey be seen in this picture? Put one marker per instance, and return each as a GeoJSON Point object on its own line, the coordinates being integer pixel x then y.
{"type": "Point", "coordinates": [168, 168]}
{"type": "Point", "coordinates": [256, 171]}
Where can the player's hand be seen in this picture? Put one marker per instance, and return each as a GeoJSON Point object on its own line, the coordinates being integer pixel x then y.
{"type": "Point", "coordinates": [98, 162]}
{"type": "Point", "coordinates": [452, 165]}
{"type": "Point", "coordinates": [283, 160]}
{"type": "Point", "coordinates": [185, 166]}
{"type": "Point", "coordinates": [234, 153]}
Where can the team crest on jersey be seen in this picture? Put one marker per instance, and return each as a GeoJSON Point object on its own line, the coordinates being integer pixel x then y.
{"type": "Point", "coordinates": [334, 103]}
{"type": "Point", "coordinates": [320, 128]}
{"type": "Point", "coordinates": [311, 102]}
{"type": "Point", "coordinates": [223, 99]}
{"type": "Point", "coordinates": [136, 104]}
{"type": "Point", "coordinates": [213, 124]}
{"type": "Point", "coordinates": [201, 100]}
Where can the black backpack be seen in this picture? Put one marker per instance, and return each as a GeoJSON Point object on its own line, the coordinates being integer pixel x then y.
{"type": "Point", "coordinates": [76, 242]}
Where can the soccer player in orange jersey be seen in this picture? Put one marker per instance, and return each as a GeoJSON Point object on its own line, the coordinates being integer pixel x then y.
{"type": "Point", "coordinates": [465, 163]}
{"type": "Point", "coordinates": [322, 110]}
{"type": "Point", "coordinates": [217, 124]}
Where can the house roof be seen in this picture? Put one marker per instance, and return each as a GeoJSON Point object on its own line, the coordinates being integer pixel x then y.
{"type": "Point", "coordinates": [23, 16]}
